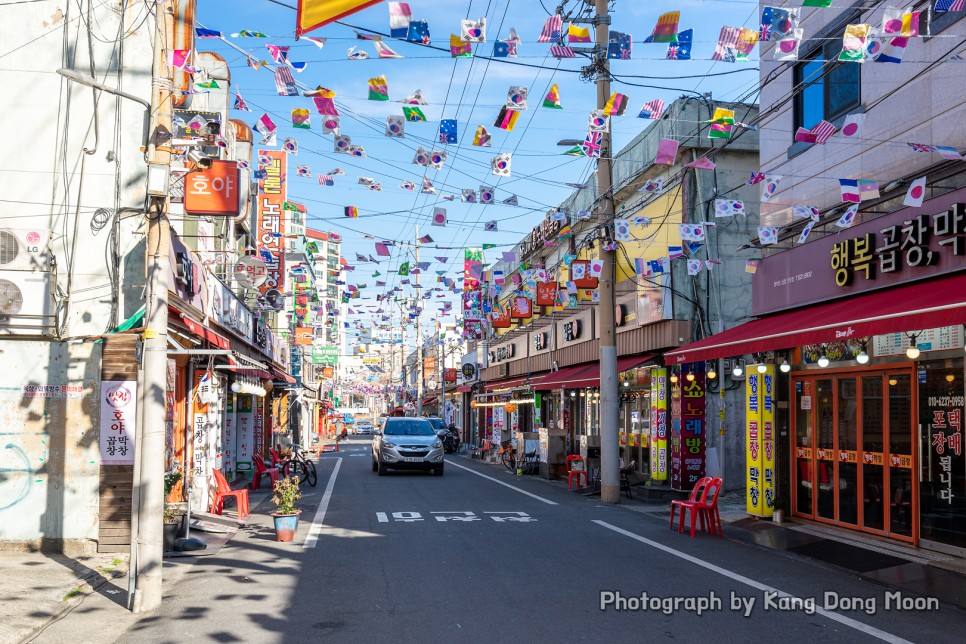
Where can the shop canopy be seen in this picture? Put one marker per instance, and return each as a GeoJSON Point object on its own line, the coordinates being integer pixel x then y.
{"type": "Point", "coordinates": [464, 389]}
{"type": "Point", "coordinates": [909, 308]}
{"type": "Point", "coordinates": [584, 375]}
{"type": "Point", "coordinates": [280, 375]}
{"type": "Point", "coordinates": [517, 381]}
{"type": "Point", "coordinates": [199, 330]}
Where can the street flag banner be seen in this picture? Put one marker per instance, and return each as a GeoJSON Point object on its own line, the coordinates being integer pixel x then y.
{"type": "Point", "coordinates": [400, 16]}
{"type": "Point", "coordinates": [300, 118]}
{"type": "Point", "coordinates": [414, 114]}
{"type": "Point", "coordinates": [562, 51]}
{"type": "Point", "coordinates": [552, 99]}
{"type": "Point", "coordinates": [722, 124]}
{"type": "Point", "coordinates": [481, 138]}
{"type": "Point", "coordinates": [852, 127]}
{"type": "Point", "coordinates": [330, 125]}
{"type": "Point", "coordinates": [777, 23]}
{"type": "Point", "coordinates": [597, 121]}
{"type": "Point", "coordinates": [916, 193]}
{"type": "Point", "coordinates": [240, 103]}
{"type": "Point", "coordinates": [591, 144]}
{"type": "Point", "coordinates": [312, 14]}
{"type": "Point", "coordinates": [652, 110]}
{"type": "Point", "coordinates": [848, 217]}
{"type": "Point", "coordinates": [352, 211]}
{"type": "Point", "coordinates": [458, 48]}
{"type": "Point", "coordinates": [378, 89]}
{"type": "Point", "coordinates": [447, 131]}
{"type": "Point", "coordinates": [500, 164]}
{"type": "Point", "coordinates": [507, 119]}
{"type": "Point", "coordinates": [285, 82]}
{"type": "Point", "coordinates": [385, 51]}
{"type": "Point", "coordinates": [667, 152]}
{"type": "Point", "coordinates": [727, 40]}
{"type": "Point", "coordinates": [819, 134]}
{"type": "Point", "coordinates": [868, 189]}
{"type": "Point", "coordinates": [416, 98]}
{"type": "Point", "coordinates": [619, 46]}
{"type": "Point", "coordinates": [767, 235]}
{"type": "Point", "coordinates": [850, 190]}
{"type": "Point", "coordinates": [395, 126]}
{"type": "Point", "coordinates": [578, 34]}
{"type": "Point", "coordinates": [769, 185]}
{"type": "Point", "coordinates": [473, 30]}
{"type": "Point", "coordinates": [667, 27]}
{"type": "Point", "coordinates": [516, 98]}
{"type": "Point", "coordinates": [854, 43]}
{"type": "Point", "coordinates": [616, 104]}
{"type": "Point", "coordinates": [728, 208]}
{"type": "Point", "coordinates": [681, 48]}
{"type": "Point", "coordinates": [950, 5]}
{"type": "Point", "coordinates": [439, 216]}
{"type": "Point", "coordinates": [787, 48]}
{"type": "Point", "coordinates": [551, 29]}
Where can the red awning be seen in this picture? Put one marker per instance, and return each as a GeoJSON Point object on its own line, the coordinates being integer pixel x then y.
{"type": "Point", "coordinates": [247, 370]}
{"type": "Point", "coordinates": [429, 401]}
{"type": "Point", "coordinates": [464, 389]}
{"type": "Point", "coordinates": [517, 381]}
{"type": "Point", "coordinates": [281, 375]}
{"type": "Point", "coordinates": [200, 330]}
{"type": "Point", "coordinates": [923, 305]}
{"type": "Point", "coordinates": [586, 374]}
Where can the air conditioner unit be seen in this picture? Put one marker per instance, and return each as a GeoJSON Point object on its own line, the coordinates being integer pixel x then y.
{"type": "Point", "coordinates": [24, 249]}
{"type": "Point", "coordinates": [25, 303]}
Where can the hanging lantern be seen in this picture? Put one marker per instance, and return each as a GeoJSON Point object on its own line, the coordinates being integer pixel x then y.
{"type": "Point", "coordinates": [474, 404]}
{"type": "Point", "coordinates": [510, 407]}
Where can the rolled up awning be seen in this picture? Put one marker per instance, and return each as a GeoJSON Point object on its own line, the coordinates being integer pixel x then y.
{"type": "Point", "coordinates": [921, 305]}
{"type": "Point", "coordinates": [586, 374]}
{"type": "Point", "coordinates": [199, 330]}
{"type": "Point", "coordinates": [281, 375]}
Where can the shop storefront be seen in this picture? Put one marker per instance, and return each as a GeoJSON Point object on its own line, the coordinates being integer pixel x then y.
{"type": "Point", "coordinates": [865, 332]}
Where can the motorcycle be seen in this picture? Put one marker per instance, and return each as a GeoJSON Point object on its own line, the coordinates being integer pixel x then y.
{"type": "Point", "coordinates": [451, 440]}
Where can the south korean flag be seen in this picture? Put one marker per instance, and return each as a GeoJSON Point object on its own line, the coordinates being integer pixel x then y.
{"type": "Point", "coordinates": [487, 195]}
{"type": "Point", "coordinates": [500, 164]}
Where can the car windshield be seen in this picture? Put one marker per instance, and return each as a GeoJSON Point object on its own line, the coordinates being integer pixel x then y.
{"type": "Point", "coordinates": [408, 427]}
{"type": "Point", "coordinates": [437, 423]}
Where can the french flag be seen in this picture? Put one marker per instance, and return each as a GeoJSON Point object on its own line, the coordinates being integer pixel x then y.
{"type": "Point", "coordinates": [850, 190]}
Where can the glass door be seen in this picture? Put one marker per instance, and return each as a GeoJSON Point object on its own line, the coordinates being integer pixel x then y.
{"type": "Point", "coordinates": [825, 449]}
{"type": "Point", "coordinates": [873, 446]}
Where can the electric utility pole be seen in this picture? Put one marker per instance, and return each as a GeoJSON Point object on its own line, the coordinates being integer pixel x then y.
{"type": "Point", "coordinates": [150, 487]}
{"type": "Point", "coordinates": [609, 401]}
{"type": "Point", "coordinates": [419, 335]}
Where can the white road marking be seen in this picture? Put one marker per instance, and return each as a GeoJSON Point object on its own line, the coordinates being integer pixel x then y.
{"type": "Point", "coordinates": [842, 619]}
{"type": "Point", "coordinates": [514, 488]}
{"type": "Point", "coordinates": [383, 517]}
{"type": "Point", "coordinates": [313, 537]}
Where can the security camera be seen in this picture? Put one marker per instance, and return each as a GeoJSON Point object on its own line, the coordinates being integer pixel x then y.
{"type": "Point", "coordinates": [200, 160]}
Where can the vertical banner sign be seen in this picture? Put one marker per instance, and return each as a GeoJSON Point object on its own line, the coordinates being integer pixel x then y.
{"type": "Point", "coordinates": [199, 439]}
{"type": "Point", "coordinates": [472, 293]}
{"type": "Point", "coordinates": [258, 427]}
{"type": "Point", "coordinates": [271, 218]}
{"type": "Point", "coordinates": [245, 437]}
{"type": "Point", "coordinates": [171, 381]}
{"type": "Point", "coordinates": [674, 436]}
{"type": "Point", "coordinates": [659, 403]}
{"type": "Point", "coordinates": [228, 436]}
{"type": "Point", "coordinates": [693, 435]}
{"type": "Point", "coordinates": [760, 440]}
{"type": "Point", "coordinates": [118, 418]}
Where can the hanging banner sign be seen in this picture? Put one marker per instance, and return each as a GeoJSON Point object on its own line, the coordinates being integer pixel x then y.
{"type": "Point", "coordinates": [688, 443]}
{"type": "Point", "coordinates": [760, 441]}
{"type": "Point", "coordinates": [659, 424]}
{"type": "Point", "coordinates": [118, 419]}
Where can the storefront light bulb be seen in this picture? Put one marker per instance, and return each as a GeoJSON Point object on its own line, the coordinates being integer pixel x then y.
{"type": "Point", "coordinates": [862, 358]}
{"type": "Point", "coordinates": [712, 374]}
{"type": "Point", "coordinates": [823, 361]}
{"type": "Point", "coordinates": [689, 377]}
{"type": "Point", "coordinates": [573, 394]}
{"type": "Point", "coordinates": [674, 377]}
{"type": "Point", "coordinates": [583, 394]}
{"type": "Point", "coordinates": [950, 377]}
{"type": "Point", "coordinates": [737, 371]}
{"type": "Point", "coordinates": [913, 351]}
{"type": "Point", "coordinates": [784, 366]}
{"type": "Point", "coordinates": [236, 387]}
{"type": "Point", "coordinates": [627, 383]}
{"type": "Point", "coordinates": [762, 368]}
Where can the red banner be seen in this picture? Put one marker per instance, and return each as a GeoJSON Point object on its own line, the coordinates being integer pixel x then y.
{"type": "Point", "coordinates": [270, 230]}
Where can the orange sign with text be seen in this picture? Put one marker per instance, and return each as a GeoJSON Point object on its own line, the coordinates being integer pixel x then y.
{"type": "Point", "coordinates": [304, 336]}
{"type": "Point", "coordinates": [213, 191]}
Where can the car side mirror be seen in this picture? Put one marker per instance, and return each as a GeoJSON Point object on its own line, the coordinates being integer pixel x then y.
{"type": "Point", "coordinates": [441, 432]}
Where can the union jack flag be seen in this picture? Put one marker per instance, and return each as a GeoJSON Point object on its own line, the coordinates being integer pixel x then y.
{"type": "Point", "coordinates": [672, 52]}
{"type": "Point", "coordinates": [326, 180]}
{"type": "Point", "coordinates": [591, 144]}
{"type": "Point", "coordinates": [950, 5]}
{"type": "Point", "coordinates": [551, 29]}
{"type": "Point", "coordinates": [756, 177]}
{"type": "Point", "coordinates": [922, 147]}
{"type": "Point", "coordinates": [764, 32]}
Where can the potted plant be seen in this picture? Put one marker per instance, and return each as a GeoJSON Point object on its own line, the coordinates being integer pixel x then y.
{"type": "Point", "coordinates": [285, 494]}
{"type": "Point", "coordinates": [173, 515]}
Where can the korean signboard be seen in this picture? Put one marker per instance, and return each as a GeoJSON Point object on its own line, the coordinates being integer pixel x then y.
{"type": "Point", "coordinates": [325, 355]}
{"type": "Point", "coordinates": [304, 336]}
{"type": "Point", "coordinates": [118, 419]}
{"type": "Point", "coordinates": [760, 441]}
{"type": "Point", "coordinates": [659, 424]}
{"type": "Point", "coordinates": [270, 229]}
{"type": "Point", "coordinates": [213, 191]}
{"type": "Point", "coordinates": [905, 246]}
{"type": "Point", "coordinates": [244, 441]}
{"type": "Point", "coordinates": [688, 438]}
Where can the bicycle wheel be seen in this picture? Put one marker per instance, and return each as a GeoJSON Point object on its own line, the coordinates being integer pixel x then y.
{"type": "Point", "coordinates": [508, 460]}
{"type": "Point", "coordinates": [310, 474]}
{"type": "Point", "coordinates": [296, 468]}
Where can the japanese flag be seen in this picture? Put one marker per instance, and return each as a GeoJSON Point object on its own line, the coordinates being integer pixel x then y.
{"type": "Point", "coordinates": [852, 127]}
{"type": "Point", "coordinates": [916, 193]}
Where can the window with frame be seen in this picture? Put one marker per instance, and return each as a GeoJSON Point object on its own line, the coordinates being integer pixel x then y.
{"type": "Point", "coordinates": [826, 88]}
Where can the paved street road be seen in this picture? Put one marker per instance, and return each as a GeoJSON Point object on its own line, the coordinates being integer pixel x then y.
{"type": "Point", "coordinates": [481, 555]}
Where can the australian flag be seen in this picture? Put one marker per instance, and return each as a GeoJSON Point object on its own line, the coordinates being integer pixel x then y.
{"type": "Point", "coordinates": [619, 46]}
{"type": "Point", "coordinates": [681, 50]}
{"type": "Point", "coordinates": [447, 131]}
{"type": "Point", "coordinates": [419, 32]}
{"type": "Point", "coordinates": [501, 49]}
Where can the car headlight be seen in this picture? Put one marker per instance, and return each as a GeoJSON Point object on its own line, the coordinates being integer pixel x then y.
{"type": "Point", "coordinates": [388, 444]}
{"type": "Point", "coordinates": [436, 445]}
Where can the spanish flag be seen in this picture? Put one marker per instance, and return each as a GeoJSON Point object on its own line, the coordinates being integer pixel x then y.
{"type": "Point", "coordinates": [313, 14]}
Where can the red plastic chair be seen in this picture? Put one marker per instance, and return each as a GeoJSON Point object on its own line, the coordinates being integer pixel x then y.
{"type": "Point", "coordinates": [223, 492]}
{"type": "Point", "coordinates": [705, 508]}
{"type": "Point", "coordinates": [260, 469]}
{"type": "Point", "coordinates": [576, 468]}
{"type": "Point", "coordinates": [696, 492]}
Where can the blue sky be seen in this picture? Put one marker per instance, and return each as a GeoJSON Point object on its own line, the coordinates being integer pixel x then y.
{"type": "Point", "coordinates": [469, 90]}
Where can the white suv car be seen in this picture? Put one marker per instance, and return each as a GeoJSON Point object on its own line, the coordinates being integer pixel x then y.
{"type": "Point", "coordinates": [407, 444]}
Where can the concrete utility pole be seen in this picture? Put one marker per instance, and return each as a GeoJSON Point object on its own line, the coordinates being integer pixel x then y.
{"type": "Point", "coordinates": [609, 401]}
{"type": "Point", "coordinates": [150, 487]}
{"type": "Point", "coordinates": [419, 336]}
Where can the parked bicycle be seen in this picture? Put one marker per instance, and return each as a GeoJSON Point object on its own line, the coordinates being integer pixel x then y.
{"type": "Point", "coordinates": [298, 465]}
{"type": "Point", "coordinates": [508, 456]}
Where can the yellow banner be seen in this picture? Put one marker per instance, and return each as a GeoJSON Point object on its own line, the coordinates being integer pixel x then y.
{"type": "Point", "coordinates": [659, 424]}
{"type": "Point", "coordinates": [760, 441]}
{"type": "Point", "coordinates": [313, 14]}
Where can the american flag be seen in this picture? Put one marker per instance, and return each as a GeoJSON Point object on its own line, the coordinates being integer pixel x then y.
{"type": "Point", "coordinates": [591, 144]}
{"type": "Point", "coordinates": [727, 39]}
{"type": "Point", "coordinates": [823, 131]}
{"type": "Point", "coordinates": [551, 29]}
{"type": "Point", "coordinates": [652, 109]}
{"type": "Point", "coordinates": [326, 180]}
{"type": "Point", "coordinates": [562, 51]}
{"type": "Point", "coordinates": [950, 5]}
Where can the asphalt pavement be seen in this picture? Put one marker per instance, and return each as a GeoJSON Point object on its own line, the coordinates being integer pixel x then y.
{"type": "Point", "coordinates": [480, 555]}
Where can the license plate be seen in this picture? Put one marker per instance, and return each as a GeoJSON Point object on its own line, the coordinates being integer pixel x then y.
{"type": "Point", "coordinates": [413, 459]}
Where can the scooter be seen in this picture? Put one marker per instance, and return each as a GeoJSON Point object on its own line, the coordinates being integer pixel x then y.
{"type": "Point", "coordinates": [451, 441]}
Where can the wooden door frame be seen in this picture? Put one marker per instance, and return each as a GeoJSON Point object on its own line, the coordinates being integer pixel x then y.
{"type": "Point", "coordinates": [884, 371]}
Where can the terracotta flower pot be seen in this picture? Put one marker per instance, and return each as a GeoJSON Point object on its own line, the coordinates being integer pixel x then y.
{"type": "Point", "coordinates": [286, 526]}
